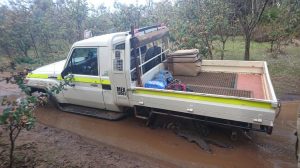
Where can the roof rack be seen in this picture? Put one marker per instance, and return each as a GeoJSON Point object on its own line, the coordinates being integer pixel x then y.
{"type": "Point", "coordinates": [148, 29]}
{"type": "Point", "coordinates": [145, 35]}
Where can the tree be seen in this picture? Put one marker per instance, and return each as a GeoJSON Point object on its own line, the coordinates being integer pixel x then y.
{"type": "Point", "coordinates": [19, 114]}
{"type": "Point", "coordinates": [6, 44]}
{"type": "Point", "coordinates": [46, 28]}
{"type": "Point", "coordinates": [225, 23]}
{"type": "Point", "coordinates": [19, 26]}
{"type": "Point", "coordinates": [272, 24]}
{"type": "Point", "coordinates": [193, 26]}
{"type": "Point", "coordinates": [249, 13]}
{"type": "Point", "coordinates": [127, 15]}
{"type": "Point", "coordinates": [275, 28]}
{"type": "Point", "coordinates": [100, 20]}
{"type": "Point", "coordinates": [78, 13]}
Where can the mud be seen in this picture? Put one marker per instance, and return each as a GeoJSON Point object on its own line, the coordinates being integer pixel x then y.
{"type": "Point", "coordinates": [51, 147]}
{"type": "Point", "coordinates": [161, 144]}
{"type": "Point", "coordinates": [201, 141]}
{"type": "Point", "coordinates": [276, 150]}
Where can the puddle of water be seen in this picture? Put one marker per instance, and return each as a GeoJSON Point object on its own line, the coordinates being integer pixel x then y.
{"type": "Point", "coordinates": [131, 134]}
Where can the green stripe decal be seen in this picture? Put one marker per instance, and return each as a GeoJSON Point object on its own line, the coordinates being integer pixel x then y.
{"type": "Point", "coordinates": [231, 101]}
{"type": "Point", "coordinates": [87, 80]}
{"type": "Point", "coordinates": [75, 79]}
{"type": "Point", "coordinates": [42, 76]}
{"type": "Point", "coordinates": [59, 77]}
{"type": "Point", "coordinates": [105, 82]}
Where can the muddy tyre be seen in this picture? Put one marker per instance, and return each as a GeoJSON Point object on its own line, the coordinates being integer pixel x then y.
{"type": "Point", "coordinates": [234, 136]}
{"type": "Point", "coordinates": [204, 130]}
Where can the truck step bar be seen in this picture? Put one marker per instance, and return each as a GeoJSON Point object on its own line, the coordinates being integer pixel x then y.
{"type": "Point", "coordinates": [93, 112]}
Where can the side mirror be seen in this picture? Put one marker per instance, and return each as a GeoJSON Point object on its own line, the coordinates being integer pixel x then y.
{"type": "Point", "coordinates": [65, 72]}
{"type": "Point", "coordinates": [71, 76]}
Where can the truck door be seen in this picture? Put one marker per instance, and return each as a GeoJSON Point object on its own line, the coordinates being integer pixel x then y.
{"type": "Point", "coordinates": [87, 89]}
{"type": "Point", "coordinates": [118, 75]}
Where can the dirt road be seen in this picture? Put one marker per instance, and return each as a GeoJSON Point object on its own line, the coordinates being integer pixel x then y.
{"type": "Point", "coordinates": [132, 135]}
{"type": "Point", "coordinates": [77, 140]}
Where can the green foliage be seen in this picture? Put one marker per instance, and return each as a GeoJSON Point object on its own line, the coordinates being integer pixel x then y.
{"type": "Point", "coordinates": [19, 114]}
{"type": "Point", "coordinates": [24, 107]}
{"type": "Point", "coordinates": [26, 60]}
{"type": "Point", "coordinates": [271, 14]}
{"type": "Point", "coordinates": [45, 29]}
{"type": "Point", "coordinates": [280, 23]}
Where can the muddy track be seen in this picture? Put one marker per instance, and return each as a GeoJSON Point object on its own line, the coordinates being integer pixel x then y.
{"type": "Point", "coordinates": [54, 147]}
{"type": "Point", "coordinates": [162, 143]}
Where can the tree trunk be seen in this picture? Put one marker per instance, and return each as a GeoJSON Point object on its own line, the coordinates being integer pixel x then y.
{"type": "Point", "coordinates": [11, 153]}
{"type": "Point", "coordinates": [223, 50]}
{"type": "Point", "coordinates": [7, 51]}
{"type": "Point", "coordinates": [210, 53]}
{"type": "Point", "coordinates": [12, 147]}
{"type": "Point", "coordinates": [26, 52]}
{"type": "Point", "coordinates": [254, 7]}
{"type": "Point", "coordinates": [34, 46]}
{"type": "Point", "coordinates": [12, 139]}
{"type": "Point", "coordinates": [247, 47]}
{"type": "Point", "coordinates": [209, 47]}
{"type": "Point", "coordinates": [272, 45]}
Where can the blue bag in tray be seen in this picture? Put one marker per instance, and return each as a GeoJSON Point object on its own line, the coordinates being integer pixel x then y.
{"type": "Point", "coordinates": [156, 84]}
{"type": "Point", "coordinates": [167, 75]}
{"type": "Point", "coordinates": [160, 80]}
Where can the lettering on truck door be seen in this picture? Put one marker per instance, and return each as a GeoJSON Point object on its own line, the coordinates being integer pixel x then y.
{"type": "Point", "coordinates": [87, 89]}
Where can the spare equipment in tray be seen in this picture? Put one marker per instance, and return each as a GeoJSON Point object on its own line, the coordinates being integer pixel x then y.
{"type": "Point", "coordinates": [185, 62]}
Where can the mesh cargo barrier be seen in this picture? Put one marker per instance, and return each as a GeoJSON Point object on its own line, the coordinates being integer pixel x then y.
{"type": "Point", "coordinates": [214, 83]}
{"type": "Point", "coordinates": [226, 80]}
{"type": "Point", "coordinates": [220, 91]}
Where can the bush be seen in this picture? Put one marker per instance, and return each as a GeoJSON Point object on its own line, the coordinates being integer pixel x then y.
{"type": "Point", "coordinates": [26, 60]}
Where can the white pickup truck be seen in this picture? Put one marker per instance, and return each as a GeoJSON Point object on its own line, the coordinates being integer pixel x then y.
{"type": "Point", "coordinates": [109, 73]}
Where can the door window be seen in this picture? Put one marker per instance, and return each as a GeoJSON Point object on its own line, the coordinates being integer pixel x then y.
{"type": "Point", "coordinates": [84, 61]}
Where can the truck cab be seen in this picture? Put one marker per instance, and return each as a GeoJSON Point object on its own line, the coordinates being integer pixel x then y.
{"type": "Point", "coordinates": [90, 62]}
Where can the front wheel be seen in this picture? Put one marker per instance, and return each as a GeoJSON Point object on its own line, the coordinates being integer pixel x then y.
{"type": "Point", "coordinates": [54, 101]}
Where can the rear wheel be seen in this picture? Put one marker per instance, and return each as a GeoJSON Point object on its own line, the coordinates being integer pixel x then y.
{"type": "Point", "coordinates": [203, 129]}
{"type": "Point", "coordinates": [234, 136]}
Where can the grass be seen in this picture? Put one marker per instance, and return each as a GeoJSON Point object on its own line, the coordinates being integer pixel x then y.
{"type": "Point", "coordinates": [284, 69]}
{"type": "Point", "coordinates": [234, 49]}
